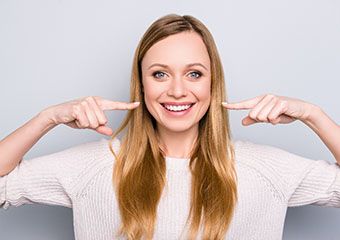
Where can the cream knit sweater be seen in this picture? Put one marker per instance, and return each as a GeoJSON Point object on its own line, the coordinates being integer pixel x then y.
{"type": "Point", "coordinates": [270, 179]}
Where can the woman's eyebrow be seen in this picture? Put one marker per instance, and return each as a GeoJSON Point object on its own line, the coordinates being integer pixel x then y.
{"type": "Point", "coordinates": [188, 65]}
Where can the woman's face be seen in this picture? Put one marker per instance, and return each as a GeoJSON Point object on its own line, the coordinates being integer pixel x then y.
{"type": "Point", "coordinates": [176, 81]}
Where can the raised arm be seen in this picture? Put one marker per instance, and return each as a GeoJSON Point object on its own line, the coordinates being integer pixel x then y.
{"type": "Point", "coordinates": [274, 109]}
{"type": "Point", "coordinates": [301, 180]}
{"type": "Point", "coordinates": [326, 129]}
{"type": "Point", "coordinates": [81, 113]}
{"type": "Point", "coordinates": [18, 143]}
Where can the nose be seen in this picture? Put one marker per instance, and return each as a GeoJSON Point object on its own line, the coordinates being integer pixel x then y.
{"type": "Point", "coordinates": [177, 88]}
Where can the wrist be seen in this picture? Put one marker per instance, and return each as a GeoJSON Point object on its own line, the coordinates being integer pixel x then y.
{"type": "Point", "coordinates": [46, 120]}
{"type": "Point", "coordinates": [313, 115]}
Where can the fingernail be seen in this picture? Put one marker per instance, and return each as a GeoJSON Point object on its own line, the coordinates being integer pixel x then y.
{"type": "Point", "coordinates": [225, 103]}
{"type": "Point", "coordinates": [136, 103]}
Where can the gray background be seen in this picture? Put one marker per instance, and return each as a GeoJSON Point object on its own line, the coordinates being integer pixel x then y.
{"type": "Point", "coordinates": [55, 51]}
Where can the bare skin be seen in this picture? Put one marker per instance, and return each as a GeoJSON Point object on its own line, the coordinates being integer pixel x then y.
{"type": "Point", "coordinates": [270, 108]}
{"type": "Point", "coordinates": [83, 113]}
{"type": "Point", "coordinates": [176, 78]}
{"type": "Point", "coordinates": [177, 69]}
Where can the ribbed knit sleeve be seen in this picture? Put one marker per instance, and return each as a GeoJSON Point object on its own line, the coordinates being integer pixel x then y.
{"type": "Point", "coordinates": [51, 179]}
{"type": "Point", "coordinates": [298, 180]}
{"type": "Point", "coordinates": [319, 185]}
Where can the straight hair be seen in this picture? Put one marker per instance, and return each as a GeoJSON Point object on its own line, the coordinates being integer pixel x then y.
{"type": "Point", "coordinates": [139, 173]}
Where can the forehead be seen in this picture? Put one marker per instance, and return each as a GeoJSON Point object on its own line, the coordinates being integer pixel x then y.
{"type": "Point", "coordinates": [178, 50]}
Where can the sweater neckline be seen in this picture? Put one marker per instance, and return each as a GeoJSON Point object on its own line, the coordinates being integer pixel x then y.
{"type": "Point", "coordinates": [176, 163]}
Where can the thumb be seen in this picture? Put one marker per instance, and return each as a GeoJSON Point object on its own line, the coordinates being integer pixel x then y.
{"type": "Point", "coordinates": [248, 121]}
{"type": "Point", "coordinates": [104, 130]}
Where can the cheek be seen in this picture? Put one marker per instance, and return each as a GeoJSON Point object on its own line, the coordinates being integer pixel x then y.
{"type": "Point", "coordinates": [152, 92]}
{"type": "Point", "coordinates": [202, 91]}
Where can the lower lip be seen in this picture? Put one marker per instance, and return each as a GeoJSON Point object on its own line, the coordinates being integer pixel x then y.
{"type": "Point", "coordinates": [179, 113]}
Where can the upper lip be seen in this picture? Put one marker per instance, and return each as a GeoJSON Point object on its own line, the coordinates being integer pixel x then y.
{"type": "Point", "coordinates": [177, 103]}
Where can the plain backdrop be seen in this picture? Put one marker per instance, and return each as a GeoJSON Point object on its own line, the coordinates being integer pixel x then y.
{"type": "Point", "coordinates": [55, 51]}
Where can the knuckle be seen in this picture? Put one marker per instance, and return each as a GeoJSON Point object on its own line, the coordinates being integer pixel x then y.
{"type": "Point", "coordinates": [86, 98]}
{"type": "Point", "coordinates": [283, 103]}
{"type": "Point", "coordinates": [90, 99]}
{"type": "Point", "coordinates": [262, 118]}
{"type": "Point", "coordinates": [270, 95]}
{"type": "Point", "coordinates": [103, 121]}
{"type": "Point", "coordinates": [271, 118]}
{"type": "Point", "coordinates": [84, 103]}
{"type": "Point", "coordinates": [276, 121]}
{"type": "Point", "coordinates": [252, 115]}
{"type": "Point", "coordinates": [97, 99]}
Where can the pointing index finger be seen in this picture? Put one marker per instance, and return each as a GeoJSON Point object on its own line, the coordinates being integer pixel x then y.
{"type": "Point", "coordinates": [245, 104]}
{"type": "Point", "coordinates": [112, 105]}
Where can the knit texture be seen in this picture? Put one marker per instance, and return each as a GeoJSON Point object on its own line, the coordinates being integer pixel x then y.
{"type": "Point", "coordinates": [270, 179]}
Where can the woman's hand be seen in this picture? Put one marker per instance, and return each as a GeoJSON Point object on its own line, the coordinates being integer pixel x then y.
{"type": "Point", "coordinates": [87, 112]}
{"type": "Point", "coordinates": [272, 109]}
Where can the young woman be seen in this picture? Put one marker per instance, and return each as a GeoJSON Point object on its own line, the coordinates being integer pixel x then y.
{"type": "Point", "coordinates": [176, 173]}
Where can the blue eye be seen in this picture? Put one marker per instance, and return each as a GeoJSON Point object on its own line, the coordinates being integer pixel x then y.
{"type": "Point", "coordinates": [155, 74]}
{"type": "Point", "coordinates": [158, 74]}
{"type": "Point", "coordinates": [198, 74]}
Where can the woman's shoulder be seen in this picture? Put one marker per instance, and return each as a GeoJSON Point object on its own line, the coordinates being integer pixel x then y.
{"type": "Point", "coordinates": [268, 155]}
{"type": "Point", "coordinates": [281, 167]}
{"type": "Point", "coordinates": [88, 160]}
{"type": "Point", "coordinates": [97, 154]}
{"type": "Point", "coordinates": [82, 162]}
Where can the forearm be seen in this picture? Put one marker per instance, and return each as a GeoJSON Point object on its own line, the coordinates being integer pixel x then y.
{"type": "Point", "coordinates": [18, 143]}
{"type": "Point", "coordinates": [326, 129]}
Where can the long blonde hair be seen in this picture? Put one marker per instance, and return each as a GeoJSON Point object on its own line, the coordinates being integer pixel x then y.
{"type": "Point", "coordinates": [139, 173]}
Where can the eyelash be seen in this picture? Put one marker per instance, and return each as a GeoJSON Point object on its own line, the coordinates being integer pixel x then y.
{"type": "Point", "coordinates": [156, 72]}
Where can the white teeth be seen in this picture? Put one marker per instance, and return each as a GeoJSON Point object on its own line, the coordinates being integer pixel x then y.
{"type": "Point", "coordinates": [177, 108]}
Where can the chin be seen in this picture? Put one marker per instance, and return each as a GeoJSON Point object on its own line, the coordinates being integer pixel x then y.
{"type": "Point", "coordinates": [177, 127]}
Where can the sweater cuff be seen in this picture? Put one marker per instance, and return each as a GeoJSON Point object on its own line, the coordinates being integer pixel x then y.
{"type": "Point", "coordinates": [335, 201]}
{"type": "Point", "coordinates": [3, 203]}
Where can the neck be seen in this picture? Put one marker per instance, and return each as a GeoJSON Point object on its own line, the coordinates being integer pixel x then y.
{"type": "Point", "coordinates": [177, 144]}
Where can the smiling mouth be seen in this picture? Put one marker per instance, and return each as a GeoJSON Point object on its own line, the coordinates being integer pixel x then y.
{"type": "Point", "coordinates": [177, 108]}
